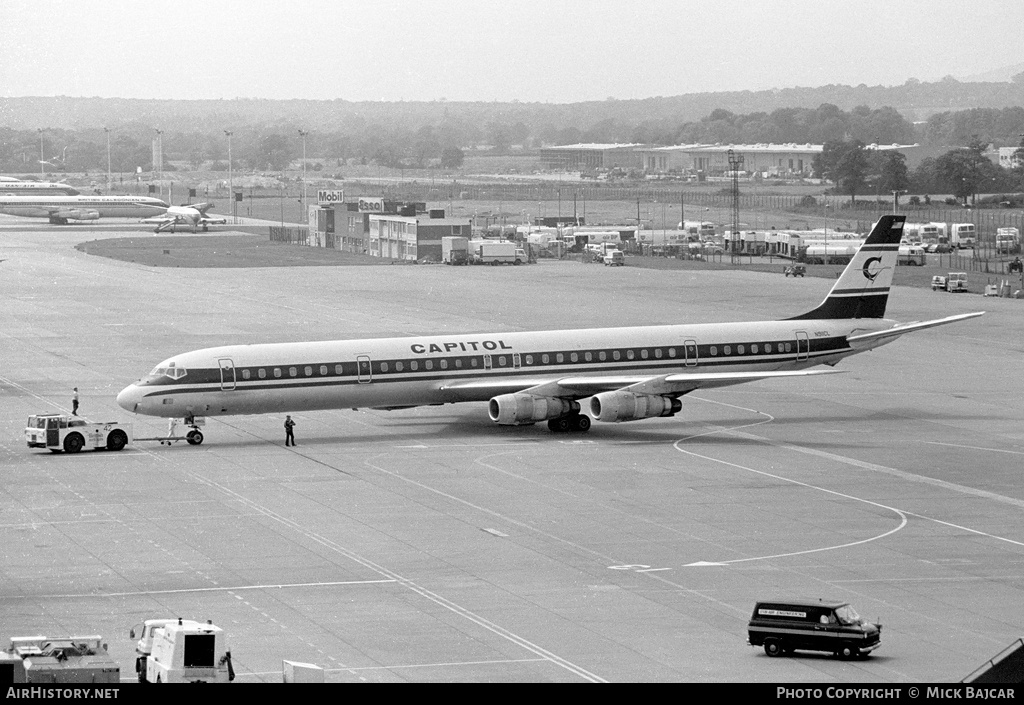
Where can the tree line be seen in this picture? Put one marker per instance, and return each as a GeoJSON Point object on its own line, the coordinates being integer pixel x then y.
{"type": "Point", "coordinates": [273, 145]}
{"type": "Point", "coordinates": [963, 172]}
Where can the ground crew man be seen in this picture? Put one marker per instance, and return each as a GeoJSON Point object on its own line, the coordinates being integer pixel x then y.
{"type": "Point", "coordinates": [288, 434]}
{"type": "Point", "coordinates": [74, 403]}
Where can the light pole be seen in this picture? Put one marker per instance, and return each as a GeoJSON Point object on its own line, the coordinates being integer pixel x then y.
{"type": "Point", "coordinates": [302, 134]}
{"type": "Point", "coordinates": [231, 183]}
{"type": "Point", "coordinates": [825, 208]}
{"type": "Point", "coordinates": [107, 130]}
{"type": "Point", "coordinates": [159, 159]}
{"type": "Point", "coordinates": [896, 199]}
{"type": "Point", "coordinates": [42, 162]}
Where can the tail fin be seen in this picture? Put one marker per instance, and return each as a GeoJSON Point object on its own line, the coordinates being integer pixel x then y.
{"type": "Point", "coordinates": [863, 288]}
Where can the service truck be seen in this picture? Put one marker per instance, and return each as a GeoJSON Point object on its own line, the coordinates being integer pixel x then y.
{"type": "Point", "coordinates": [956, 282]}
{"type": "Point", "coordinates": [614, 258]}
{"type": "Point", "coordinates": [72, 659]}
{"type": "Point", "coordinates": [60, 432]}
{"type": "Point", "coordinates": [1007, 241]}
{"type": "Point", "coordinates": [963, 235]}
{"type": "Point", "coordinates": [911, 254]}
{"type": "Point", "coordinates": [181, 651]}
{"type": "Point", "coordinates": [496, 252]}
{"type": "Point", "coordinates": [455, 250]}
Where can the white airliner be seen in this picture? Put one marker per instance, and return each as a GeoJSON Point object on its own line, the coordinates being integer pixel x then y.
{"type": "Point", "coordinates": [61, 209]}
{"type": "Point", "coordinates": [194, 215]}
{"type": "Point", "coordinates": [11, 186]}
{"type": "Point", "coordinates": [627, 373]}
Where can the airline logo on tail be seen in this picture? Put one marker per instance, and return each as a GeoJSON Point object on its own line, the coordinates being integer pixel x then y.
{"type": "Point", "coordinates": [872, 268]}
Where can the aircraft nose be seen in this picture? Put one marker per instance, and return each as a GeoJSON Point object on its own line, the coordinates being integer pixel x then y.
{"type": "Point", "coordinates": [129, 398]}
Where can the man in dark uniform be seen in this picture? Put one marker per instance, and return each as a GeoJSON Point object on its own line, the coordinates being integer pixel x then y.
{"type": "Point", "coordinates": [74, 403]}
{"type": "Point", "coordinates": [288, 434]}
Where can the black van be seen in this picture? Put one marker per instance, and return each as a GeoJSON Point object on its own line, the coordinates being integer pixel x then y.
{"type": "Point", "coordinates": [782, 626]}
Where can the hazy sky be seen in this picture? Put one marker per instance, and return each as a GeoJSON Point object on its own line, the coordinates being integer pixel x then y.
{"type": "Point", "coordinates": [529, 50]}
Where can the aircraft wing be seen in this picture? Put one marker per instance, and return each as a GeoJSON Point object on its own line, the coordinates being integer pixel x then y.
{"type": "Point", "coordinates": [675, 384]}
{"type": "Point", "coordinates": [161, 219]}
{"type": "Point", "coordinates": [871, 340]}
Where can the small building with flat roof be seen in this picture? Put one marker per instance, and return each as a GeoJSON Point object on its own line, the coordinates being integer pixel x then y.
{"type": "Point", "coordinates": [414, 238]}
{"type": "Point", "coordinates": [781, 160]}
{"type": "Point", "coordinates": [588, 157]}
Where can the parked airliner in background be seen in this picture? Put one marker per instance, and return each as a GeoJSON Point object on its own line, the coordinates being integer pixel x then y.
{"type": "Point", "coordinates": [627, 373]}
{"type": "Point", "coordinates": [186, 214]}
{"type": "Point", "coordinates": [61, 209]}
{"type": "Point", "coordinates": [11, 186]}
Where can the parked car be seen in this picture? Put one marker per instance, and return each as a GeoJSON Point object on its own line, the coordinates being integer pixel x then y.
{"type": "Point", "coordinates": [795, 270]}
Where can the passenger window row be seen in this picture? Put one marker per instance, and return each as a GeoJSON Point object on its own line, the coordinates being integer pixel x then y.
{"type": "Point", "coordinates": [689, 351]}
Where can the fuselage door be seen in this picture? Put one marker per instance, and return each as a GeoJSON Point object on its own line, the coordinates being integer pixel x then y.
{"type": "Point", "coordinates": [227, 374]}
{"type": "Point", "coordinates": [803, 345]}
{"type": "Point", "coordinates": [364, 370]}
{"type": "Point", "coordinates": [690, 352]}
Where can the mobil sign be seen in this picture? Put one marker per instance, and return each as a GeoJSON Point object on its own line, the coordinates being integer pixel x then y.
{"type": "Point", "coordinates": [328, 198]}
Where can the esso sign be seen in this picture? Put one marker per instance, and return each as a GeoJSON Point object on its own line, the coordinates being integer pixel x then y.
{"type": "Point", "coordinates": [326, 198]}
{"type": "Point", "coordinates": [371, 205]}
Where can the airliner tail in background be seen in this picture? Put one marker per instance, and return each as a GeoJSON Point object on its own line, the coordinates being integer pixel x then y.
{"type": "Point", "coordinates": [617, 374]}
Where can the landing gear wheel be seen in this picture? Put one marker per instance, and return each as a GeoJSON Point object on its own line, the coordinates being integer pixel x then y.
{"type": "Point", "coordinates": [581, 423]}
{"type": "Point", "coordinates": [73, 443]}
{"type": "Point", "coordinates": [571, 423]}
{"type": "Point", "coordinates": [194, 437]}
{"type": "Point", "coordinates": [559, 425]}
{"type": "Point", "coordinates": [773, 647]}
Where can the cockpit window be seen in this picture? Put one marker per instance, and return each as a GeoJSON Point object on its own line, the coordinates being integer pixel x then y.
{"type": "Point", "coordinates": [169, 371]}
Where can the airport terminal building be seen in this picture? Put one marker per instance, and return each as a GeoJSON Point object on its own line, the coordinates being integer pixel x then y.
{"type": "Point", "coordinates": [770, 160]}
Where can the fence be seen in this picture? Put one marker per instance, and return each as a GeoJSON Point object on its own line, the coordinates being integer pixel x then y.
{"type": "Point", "coordinates": [291, 235]}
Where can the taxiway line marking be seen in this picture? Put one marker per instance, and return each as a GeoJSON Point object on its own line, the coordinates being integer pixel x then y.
{"type": "Point", "coordinates": [438, 665]}
{"type": "Point", "coordinates": [405, 582]}
{"type": "Point", "coordinates": [206, 589]}
{"type": "Point", "coordinates": [901, 474]}
{"type": "Point", "coordinates": [902, 515]}
{"type": "Point", "coordinates": [958, 445]}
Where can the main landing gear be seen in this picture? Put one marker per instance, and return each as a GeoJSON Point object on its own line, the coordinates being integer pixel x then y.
{"type": "Point", "coordinates": [571, 423]}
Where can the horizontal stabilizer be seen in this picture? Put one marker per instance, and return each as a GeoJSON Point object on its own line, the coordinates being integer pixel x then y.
{"type": "Point", "coordinates": [870, 340]}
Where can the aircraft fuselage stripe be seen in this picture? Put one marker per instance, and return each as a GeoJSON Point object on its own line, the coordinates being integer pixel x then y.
{"type": "Point", "coordinates": [210, 379]}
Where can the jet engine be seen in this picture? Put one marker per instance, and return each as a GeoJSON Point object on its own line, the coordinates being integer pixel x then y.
{"type": "Point", "coordinates": [78, 214]}
{"type": "Point", "coordinates": [626, 406]}
{"type": "Point", "coordinates": [522, 409]}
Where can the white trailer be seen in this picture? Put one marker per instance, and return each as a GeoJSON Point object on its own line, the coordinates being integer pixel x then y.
{"type": "Point", "coordinates": [494, 253]}
{"type": "Point", "coordinates": [455, 250]}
